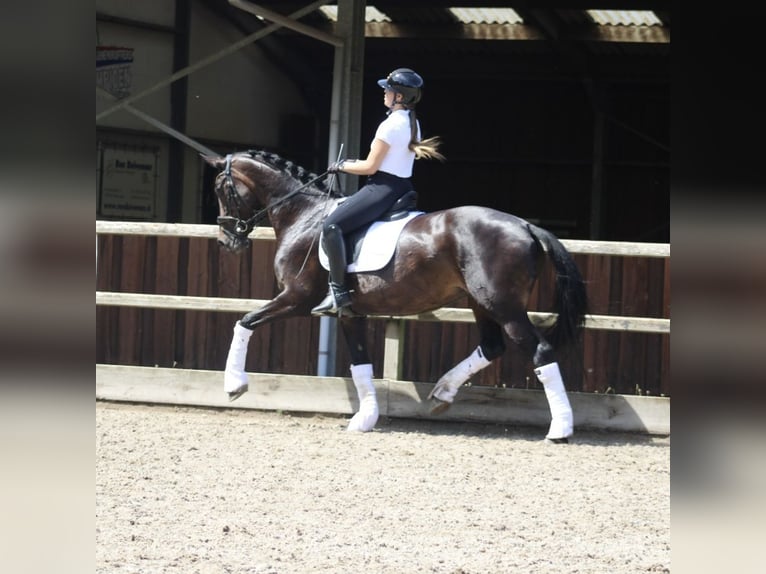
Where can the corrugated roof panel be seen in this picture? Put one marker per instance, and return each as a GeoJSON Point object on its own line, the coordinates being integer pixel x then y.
{"type": "Point", "coordinates": [486, 15]}
{"type": "Point", "coordinates": [416, 13]}
{"type": "Point", "coordinates": [624, 17]}
{"type": "Point", "coordinates": [371, 14]}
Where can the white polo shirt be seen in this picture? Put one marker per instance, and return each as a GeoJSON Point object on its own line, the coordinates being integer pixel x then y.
{"type": "Point", "coordinates": [395, 131]}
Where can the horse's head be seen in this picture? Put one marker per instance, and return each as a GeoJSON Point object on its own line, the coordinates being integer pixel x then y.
{"type": "Point", "coordinates": [241, 187]}
{"type": "Point", "coordinates": [284, 192]}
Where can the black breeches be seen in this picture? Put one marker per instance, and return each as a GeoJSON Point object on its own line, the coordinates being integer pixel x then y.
{"type": "Point", "coordinates": [376, 197]}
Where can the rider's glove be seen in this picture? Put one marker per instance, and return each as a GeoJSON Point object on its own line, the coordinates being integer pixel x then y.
{"type": "Point", "coordinates": [335, 167]}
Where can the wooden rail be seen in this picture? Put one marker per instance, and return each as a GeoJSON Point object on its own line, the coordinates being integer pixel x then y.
{"type": "Point", "coordinates": [457, 315]}
{"type": "Point", "coordinates": [625, 249]}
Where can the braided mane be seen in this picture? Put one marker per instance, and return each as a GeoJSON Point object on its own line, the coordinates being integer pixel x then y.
{"type": "Point", "coordinates": [287, 167]}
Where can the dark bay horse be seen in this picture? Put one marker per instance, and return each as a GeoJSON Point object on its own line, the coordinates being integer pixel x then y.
{"type": "Point", "coordinates": [492, 257]}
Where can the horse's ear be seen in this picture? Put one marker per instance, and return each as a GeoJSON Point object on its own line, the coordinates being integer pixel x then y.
{"type": "Point", "coordinates": [215, 160]}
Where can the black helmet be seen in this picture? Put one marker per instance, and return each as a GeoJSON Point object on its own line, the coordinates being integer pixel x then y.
{"type": "Point", "coordinates": [406, 82]}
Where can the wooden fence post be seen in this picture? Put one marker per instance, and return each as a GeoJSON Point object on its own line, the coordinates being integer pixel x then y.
{"type": "Point", "coordinates": [393, 349]}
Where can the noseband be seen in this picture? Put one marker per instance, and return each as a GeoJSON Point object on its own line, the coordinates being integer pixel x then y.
{"type": "Point", "coordinates": [238, 228]}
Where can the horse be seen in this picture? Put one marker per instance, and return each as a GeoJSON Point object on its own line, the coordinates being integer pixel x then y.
{"type": "Point", "coordinates": [492, 257]}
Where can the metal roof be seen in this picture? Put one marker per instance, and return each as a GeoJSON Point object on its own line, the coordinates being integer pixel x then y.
{"type": "Point", "coordinates": [548, 16]}
{"type": "Point", "coordinates": [624, 17]}
{"type": "Point", "coordinates": [598, 38]}
{"type": "Point", "coordinates": [498, 15]}
{"type": "Point", "coordinates": [609, 27]}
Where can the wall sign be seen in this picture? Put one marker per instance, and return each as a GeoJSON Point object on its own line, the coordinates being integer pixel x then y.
{"type": "Point", "coordinates": [128, 182]}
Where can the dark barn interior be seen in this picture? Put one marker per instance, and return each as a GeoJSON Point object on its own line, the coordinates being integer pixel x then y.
{"type": "Point", "coordinates": [558, 119]}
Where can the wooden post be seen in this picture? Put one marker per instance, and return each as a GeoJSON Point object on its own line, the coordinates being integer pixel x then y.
{"type": "Point", "coordinates": [393, 349]}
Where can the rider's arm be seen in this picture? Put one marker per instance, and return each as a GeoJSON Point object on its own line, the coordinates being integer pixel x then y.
{"type": "Point", "coordinates": [368, 166]}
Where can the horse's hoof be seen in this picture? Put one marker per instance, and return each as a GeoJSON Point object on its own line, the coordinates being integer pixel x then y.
{"type": "Point", "coordinates": [438, 406]}
{"type": "Point", "coordinates": [234, 395]}
{"type": "Point", "coordinates": [562, 440]}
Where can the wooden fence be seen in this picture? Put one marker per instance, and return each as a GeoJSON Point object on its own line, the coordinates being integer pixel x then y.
{"type": "Point", "coordinates": [167, 299]}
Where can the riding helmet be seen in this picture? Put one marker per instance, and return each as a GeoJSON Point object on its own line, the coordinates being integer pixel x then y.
{"type": "Point", "coordinates": [406, 82]}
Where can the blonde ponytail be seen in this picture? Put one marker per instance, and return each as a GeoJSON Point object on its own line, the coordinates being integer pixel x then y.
{"type": "Point", "coordinates": [424, 149]}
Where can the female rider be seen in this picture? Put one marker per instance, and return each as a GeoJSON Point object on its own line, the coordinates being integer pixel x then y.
{"type": "Point", "coordinates": [393, 151]}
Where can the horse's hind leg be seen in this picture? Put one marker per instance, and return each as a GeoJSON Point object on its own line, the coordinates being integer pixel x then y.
{"type": "Point", "coordinates": [355, 333]}
{"type": "Point", "coordinates": [562, 419]}
{"type": "Point", "coordinates": [490, 347]}
{"type": "Point", "coordinates": [522, 332]}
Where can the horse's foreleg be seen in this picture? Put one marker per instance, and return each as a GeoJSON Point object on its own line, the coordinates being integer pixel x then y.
{"type": "Point", "coordinates": [234, 377]}
{"type": "Point", "coordinates": [367, 415]}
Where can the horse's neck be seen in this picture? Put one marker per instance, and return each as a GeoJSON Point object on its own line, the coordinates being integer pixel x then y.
{"type": "Point", "coordinates": [299, 215]}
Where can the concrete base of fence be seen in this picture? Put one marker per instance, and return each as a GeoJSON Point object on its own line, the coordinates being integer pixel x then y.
{"type": "Point", "coordinates": [400, 399]}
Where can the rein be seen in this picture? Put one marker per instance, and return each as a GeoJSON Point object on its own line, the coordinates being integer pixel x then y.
{"type": "Point", "coordinates": [243, 227]}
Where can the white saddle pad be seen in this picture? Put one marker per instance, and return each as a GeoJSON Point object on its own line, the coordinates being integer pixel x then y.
{"type": "Point", "coordinates": [377, 247]}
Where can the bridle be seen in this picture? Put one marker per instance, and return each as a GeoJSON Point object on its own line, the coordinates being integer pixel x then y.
{"type": "Point", "coordinates": [237, 228]}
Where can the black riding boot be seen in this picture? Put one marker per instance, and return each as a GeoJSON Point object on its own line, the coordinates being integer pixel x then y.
{"type": "Point", "coordinates": [338, 296]}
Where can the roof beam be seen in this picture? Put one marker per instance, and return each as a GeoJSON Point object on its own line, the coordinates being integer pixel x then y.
{"type": "Point", "coordinates": [161, 126]}
{"type": "Point", "coordinates": [207, 61]}
{"type": "Point", "coordinates": [301, 73]}
{"type": "Point", "coordinates": [287, 22]}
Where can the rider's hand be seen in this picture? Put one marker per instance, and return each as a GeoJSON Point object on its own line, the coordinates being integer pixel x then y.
{"type": "Point", "coordinates": [335, 167]}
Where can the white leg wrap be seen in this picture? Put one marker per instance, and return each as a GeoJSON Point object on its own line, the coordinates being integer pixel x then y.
{"type": "Point", "coordinates": [234, 377]}
{"type": "Point", "coordinates": [365, 419]}
{"type": "Point", "coordinates": [447, 386]}
{"type": "Point", "coordinates": [561, 412]}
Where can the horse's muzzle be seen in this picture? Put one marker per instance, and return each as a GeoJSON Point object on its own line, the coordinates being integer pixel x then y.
{"type": "Point", "coordinates": [235, 225]}
{"type": "Point", "coordinates": [233, 233]}
{"type": "Point", "coordinates": [233, 242]}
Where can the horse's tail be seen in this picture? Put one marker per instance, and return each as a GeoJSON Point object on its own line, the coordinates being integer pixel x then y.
{"type": "Point", "coordinates": [571, 299]}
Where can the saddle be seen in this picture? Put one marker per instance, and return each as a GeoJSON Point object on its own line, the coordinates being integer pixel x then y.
{"type": "Point", "coordinates": [402, 207]}
{"type": "Point", "coordinates": [370, 248]}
